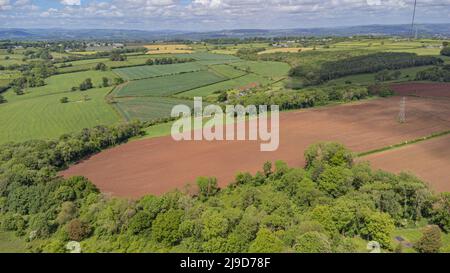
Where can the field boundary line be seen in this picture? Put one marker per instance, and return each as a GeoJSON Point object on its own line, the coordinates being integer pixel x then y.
{"type": "Point", "coordinates": [405, 143]}
{"type": "Point", "coordinates": [223, 80]}
{"type": "Point", "coordinates": [109, 99]}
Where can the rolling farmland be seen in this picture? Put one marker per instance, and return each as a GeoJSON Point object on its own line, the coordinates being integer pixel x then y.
{"type": "Point", "coordinates": [266, 69]}
{"type": "Point", "coordinates": [151, 71]}
{"type": "Point", "coordinates": [44, 117]}
{"type": "Point", "coordinates": [241, 128]}
{"type": "Point", "coordinates": [224, 85]}
{"type": "Point", "coordinates": [228, 71]}
{"type": "Point", "coordinates": [374, 127]}
{"type": "Point", "coordinates": [148, 108]}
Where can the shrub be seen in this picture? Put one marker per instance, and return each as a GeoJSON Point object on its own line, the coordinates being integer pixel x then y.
{"type": "Point", "coordinates": [207, 186]}
{"type": "Point", "coordinates": [445, 51]}
{"type": "Point", "coordinates": [431, 241]}
{"type": "Point", "coordinates": [333, 154]}
{"type": "Point", "coordinates": [100, 66]}
{"type": "Point", "coordinates": [381, 90]}
{"type": "Point", "coordinates": [78, 230]}
{"type": "Point", "coordinates": [87, 84]}
{"type": "Point", "coordinates": [441, 212]}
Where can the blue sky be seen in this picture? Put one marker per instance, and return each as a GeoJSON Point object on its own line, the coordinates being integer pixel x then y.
{"type": "Point", "coordinates": [200, 15]}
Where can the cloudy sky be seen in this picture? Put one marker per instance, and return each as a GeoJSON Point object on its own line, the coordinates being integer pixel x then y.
{"type": "Point", "coordinates": [215, 14]}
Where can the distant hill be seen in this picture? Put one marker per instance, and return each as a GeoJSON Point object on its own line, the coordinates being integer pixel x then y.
{"type": "Point", "coordinates": [424, 30]}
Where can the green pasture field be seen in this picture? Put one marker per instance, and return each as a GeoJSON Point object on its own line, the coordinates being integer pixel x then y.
{"type": "Point", "coordinates": [45, 117]}
{"type": "Point", "coordinates": [169, 85]}
{"type": "Point", "coordinates": [83, 52]}
{"type": "Point", "coordinates": [10, 59]}
{"type": "Point", "coordinates": [228, 71]}
{"type": "Point", "coordinates": [233, 48]}
{"type": "Point", "coordinates": [4, 82]}
{"type": "Point", "coordinates": [6, 76]}
{"type": "Point", "coordinates": [62, 83]}
{"type": "Point", "coordinates": [230, 51]}
{"type": "Point", "coordinates": [266, 69]}
{"type": "Point", "coordinates": [80, 65]}
{"type": "Point", "coordinates": [150, 71]}
{"type": "Point", "coordinates": [205, 56]}
{"type": "Point", "coordinates": [91, 63]}
{"type": "Point", "coordinates": [216, 62]}
{"type": "Point", "coordinates": [312, 59]}
{"type": "Point", "coordinates": [224, 85]}
{"type": "Point", "coordinates": [420, 47]}
{"type": "Point", "coordinates": [148, 108]}
{"type": "Point", "coordinates": [59, 55]}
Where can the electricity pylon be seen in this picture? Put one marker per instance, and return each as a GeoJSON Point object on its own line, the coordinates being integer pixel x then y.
{"type": "Point", "coordinates": [402, 113]}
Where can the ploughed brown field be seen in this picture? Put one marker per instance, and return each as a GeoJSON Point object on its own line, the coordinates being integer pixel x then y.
{"type": "Point", "coordinates": [429, 160]}
{"type": "Point", "coordinates": [155, 166]}
{"type": "Point", "coordinates": [437, 90]}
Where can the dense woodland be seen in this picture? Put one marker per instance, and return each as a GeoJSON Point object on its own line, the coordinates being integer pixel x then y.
{"type": "Point", "coordinates": [436, 74]}
{"type": "Point", "coordinates": [362, 64]}
{"type": "Point", "coordinates": [332, 204]}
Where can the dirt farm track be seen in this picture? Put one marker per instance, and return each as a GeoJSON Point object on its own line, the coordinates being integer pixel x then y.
{"type": "Point", "coordinates": [155, 166]}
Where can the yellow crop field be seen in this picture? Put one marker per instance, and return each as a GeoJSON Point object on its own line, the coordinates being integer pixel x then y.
{"type": "Point", "coordinates": [168, 49]}
{"type": "Point", "coordinates": [84, 52]}
{"type": "Point", "coordinates": [285, 50]}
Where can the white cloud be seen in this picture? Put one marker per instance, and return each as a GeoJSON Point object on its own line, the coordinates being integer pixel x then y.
{"type": "Point", "coordinates": [71, 2]}
{"type": "Point", "coordinates": [217, 14]}
{"type": "Point", "coordinates": [22, 2]}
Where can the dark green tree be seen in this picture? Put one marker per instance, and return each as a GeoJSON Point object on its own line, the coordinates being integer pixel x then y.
{"type": "Point", "coordinates": [313, 242]}
{"type": "Point", "coordinates": [266, 242]}
{"type": "Point", "coordinates": [207, 186]}
{"type": "Point", "coordinates": [166, 227]}
{"type": "Point", "coordinates": [431, 241]}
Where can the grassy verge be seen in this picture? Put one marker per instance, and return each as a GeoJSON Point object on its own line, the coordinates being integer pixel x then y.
{"type": "Point", "coordinates": [9, 243]}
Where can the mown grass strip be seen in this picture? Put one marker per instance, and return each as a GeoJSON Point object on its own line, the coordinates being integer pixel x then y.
{"type": "Point", "coordinates": [405, 143]}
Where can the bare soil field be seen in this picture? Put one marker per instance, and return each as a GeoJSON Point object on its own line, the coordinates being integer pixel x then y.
{"type": "Point", "coordinates": [440, 90]}
{"type": "Point", "coordinates": [428, 160]}
{"type": "Point", "coordinates": [155, 166]}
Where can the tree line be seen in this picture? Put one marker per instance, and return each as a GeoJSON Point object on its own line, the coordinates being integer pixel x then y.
{"type": "Point", "coordinates": [436, 74]}
{"type": "Point", "coordinates": [361, 64]}
{"type": "Point", "coordinates": [168, 60]}
{"type": "Point", "coordinates": [306, 98]}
